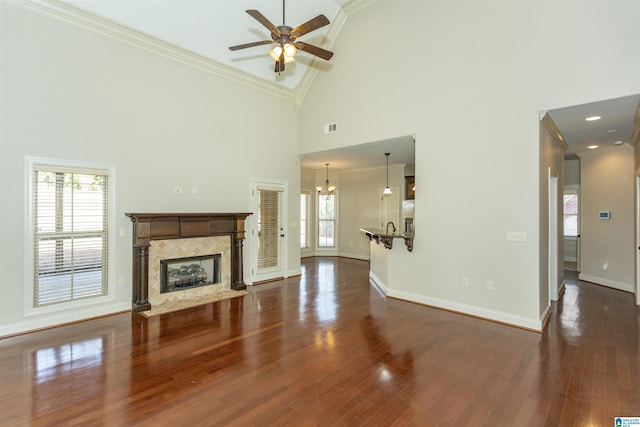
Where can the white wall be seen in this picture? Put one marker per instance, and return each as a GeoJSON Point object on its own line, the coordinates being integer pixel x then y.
{"type": "Point", "coordinates": [572, 172]}
{"type": "Point", "coordinates": [70, 93]}
{"type": "Point", "coordinates": [608, 184]}
{"type": "Point", "coordinates": [469, 80]}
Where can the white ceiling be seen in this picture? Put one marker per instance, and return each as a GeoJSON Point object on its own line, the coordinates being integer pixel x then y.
{"type": "Point", "coordinates": [208, 27]}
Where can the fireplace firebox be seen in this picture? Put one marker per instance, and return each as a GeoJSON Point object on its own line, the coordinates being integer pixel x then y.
{"type": "Point", "coordinates": [180, 274]}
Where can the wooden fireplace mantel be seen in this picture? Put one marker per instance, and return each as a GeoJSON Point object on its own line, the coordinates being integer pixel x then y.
{"type": "Point", "coordinates": [164, 226]}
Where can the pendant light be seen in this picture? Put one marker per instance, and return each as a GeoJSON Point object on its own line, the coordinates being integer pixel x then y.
{"type": "Point", "coordinates": [327, 190]}
{"type": "Point", "coordinates": [387, 190]}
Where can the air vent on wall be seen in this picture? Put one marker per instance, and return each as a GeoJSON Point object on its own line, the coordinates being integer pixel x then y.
{"type": "Point", "coordinates": [330, 128]}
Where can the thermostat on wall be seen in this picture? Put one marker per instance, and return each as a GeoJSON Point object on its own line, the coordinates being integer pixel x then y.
{"type": "Point", "coordinates": [604, 214]}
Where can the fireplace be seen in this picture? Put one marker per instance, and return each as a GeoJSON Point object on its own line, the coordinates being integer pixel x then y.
{"type": "Point", "coordinates": [179, 274]}
{"type": "Point", "coordinates": [171, 236]}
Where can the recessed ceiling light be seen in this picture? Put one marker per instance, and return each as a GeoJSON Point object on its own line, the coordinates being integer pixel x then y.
{"type": "Point", "coordinates": [619, 142]}
{"type": "Point", "coordinates": [591, 147]}
{"type": "Point", "coordinates": [592, 118]}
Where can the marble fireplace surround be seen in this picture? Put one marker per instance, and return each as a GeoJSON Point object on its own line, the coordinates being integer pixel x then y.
{"type": "Point", "coordinates": [226, 229]}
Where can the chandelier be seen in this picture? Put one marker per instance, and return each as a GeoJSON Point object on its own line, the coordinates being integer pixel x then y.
{"type": "Point", "coordinates": [326, 190]}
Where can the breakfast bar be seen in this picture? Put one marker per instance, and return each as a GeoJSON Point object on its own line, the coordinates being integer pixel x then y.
{"type": "Point", "coordinates": [382, 236]}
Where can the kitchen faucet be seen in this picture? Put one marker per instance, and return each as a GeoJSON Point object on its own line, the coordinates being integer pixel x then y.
{"type": "Point", "coordinates": [392, 225]}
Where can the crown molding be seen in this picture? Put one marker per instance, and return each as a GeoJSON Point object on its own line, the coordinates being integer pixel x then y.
{"type": "Point", "coordinates": [312, 70]}
{"type": "Point", "coordinates": [355, 6]}
{"type": "Point", "coordinates": [77, 16]}
{"type": "Point", "coordinates": [635, 135]}
{"type": "Point", "coordinates": [350, 8]}
{"type": "Point", "coordinates": [551, 126]}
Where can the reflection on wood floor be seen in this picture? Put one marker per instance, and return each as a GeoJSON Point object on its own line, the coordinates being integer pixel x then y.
{"type": "Point", "coordinates": [327, 349]}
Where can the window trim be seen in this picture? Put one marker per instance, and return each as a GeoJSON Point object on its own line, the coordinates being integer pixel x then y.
{"type": "Point", "coordinates": [29, 285]}
{"type": "Point", "coordinates": [307, 220]}
{"type": "Point", "coordinates": [335, 224]}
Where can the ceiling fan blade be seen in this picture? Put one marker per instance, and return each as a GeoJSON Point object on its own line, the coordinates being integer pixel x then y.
{"type": "Point", "coordinates": [246, 45]}
{"type": "Point", "coordinates": [311, 25]}
{"type": "Point", "coordinates": [281, 61]}
{"type": "Point", "coordinates": [314, 50]}
{"type": "Point", "coordinates": [264, 21]}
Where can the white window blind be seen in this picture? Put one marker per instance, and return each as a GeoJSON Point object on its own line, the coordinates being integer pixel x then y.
{"type": "Point", "coordinates": [269, 223]}
{"type": "Point", "coordinates": [70, 219]}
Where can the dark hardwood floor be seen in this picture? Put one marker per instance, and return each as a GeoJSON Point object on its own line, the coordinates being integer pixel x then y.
{"type": "Point", "coordinates": [327, 349]}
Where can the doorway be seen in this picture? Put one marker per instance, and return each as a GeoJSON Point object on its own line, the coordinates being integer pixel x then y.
{"type": "Point", "coordinates": [267, 232]}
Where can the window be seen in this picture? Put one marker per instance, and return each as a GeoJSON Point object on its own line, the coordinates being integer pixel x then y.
{"type": "Point", "coordinates": [304, 219]}
{"type": "Point", "coordinates": [326, 221]}
{"type": "Point", "coordinates": [70, 233]}
{"type": "Point", "coordinates": [571, 213]}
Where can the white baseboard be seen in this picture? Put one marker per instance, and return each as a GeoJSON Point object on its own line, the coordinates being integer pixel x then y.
{"type": "Point", "coordinates": [294, 272]}
{"type": "Point", "coordinates": [378, 284]}
{"type": "Point", "coordinates": [560, 291]}
{"type": "Point", "coordinates": [61, 318]}
{"type": "Point", "coordinates": [497, 316]}
{"type": "Point", "coordinates": [353, 256]}
{"type": "Point", "coordinates": [606, 282]}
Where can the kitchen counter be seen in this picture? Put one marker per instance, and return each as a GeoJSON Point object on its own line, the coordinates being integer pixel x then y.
{"type": "Point", "coordinates": [381, 236]}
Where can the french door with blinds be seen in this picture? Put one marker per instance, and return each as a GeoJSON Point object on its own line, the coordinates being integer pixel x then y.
{"type": "Point", "coordinates": [268, 232]}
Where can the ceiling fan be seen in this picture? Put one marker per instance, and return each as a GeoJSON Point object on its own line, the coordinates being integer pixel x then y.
{"type": "Point", "coordinates": [285, 39]}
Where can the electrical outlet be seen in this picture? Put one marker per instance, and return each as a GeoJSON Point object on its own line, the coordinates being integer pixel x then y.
{"type": "Point", "coordinates": [121, 231]}
{"type": "Point", "coordinates": [465, 282]}
{"type": "Point", "coordinates": [605, 266]}
{"type": "Point", "coordinates": [489, 285]}
{"type": "Point", "coordinates": [517, 236]}
{"type": "Point", "coordinates": [194, 190]}
{"type": "Point", "coordinates": [120, 281]}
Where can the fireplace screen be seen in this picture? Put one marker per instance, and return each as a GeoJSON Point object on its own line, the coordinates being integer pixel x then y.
{"type": "Point", "coordinates": [184, 273]}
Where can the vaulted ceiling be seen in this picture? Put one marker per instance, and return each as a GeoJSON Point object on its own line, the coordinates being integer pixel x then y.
{"type": "Point", "coordinates": [200, 32]}
{"type": "Point", "coordinates": [206, 29]}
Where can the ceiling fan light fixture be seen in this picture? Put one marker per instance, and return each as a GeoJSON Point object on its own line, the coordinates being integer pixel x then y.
{"type": "Point", "coordinates": [284, 37]}
{"type": "Point", "coordinates": [290, 50]}
{"type": "Point", "coordinates": [275, 52]}
{"type": "Point", "coordinates": [289, 53]}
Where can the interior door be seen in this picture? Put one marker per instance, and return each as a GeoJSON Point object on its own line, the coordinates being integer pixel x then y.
{"type": "Point", "coordinates": [268, 232]}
